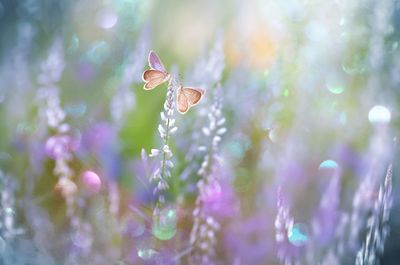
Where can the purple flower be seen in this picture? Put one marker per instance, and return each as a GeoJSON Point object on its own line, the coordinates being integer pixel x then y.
{"type": "Point", "coordinates": [58, 146]}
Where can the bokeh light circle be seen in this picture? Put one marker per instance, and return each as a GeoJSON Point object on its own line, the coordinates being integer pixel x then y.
{"type": "Point", "coordinates": [379, 115]}
{"type": "Point", "coordinates": [164, 224]}
{"type": "Point", "coordinates": [298, 234]}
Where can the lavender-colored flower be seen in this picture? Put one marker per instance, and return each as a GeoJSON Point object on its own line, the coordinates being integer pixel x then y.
{"type": "Point", "coordinates": [283, 222]}
{"type": "Point", "coordinates": [206, 73]}
{"type": "Point", "coordinates": [205, 226]}
{"type": "Point", "coordinates": [166, 129]}
{"type": "Point", "coordinates": [364, 197]}
{"type": "Point", "coordinates": [142, 168]}
{"type": "Point", "coordinates": [59, 145]}
{"type": "Point", "coordinates": [377, 224]}
{"type": "Point", "coordinates": [60, 148]}
{"type": "Point", "coordinates": [288, 251]}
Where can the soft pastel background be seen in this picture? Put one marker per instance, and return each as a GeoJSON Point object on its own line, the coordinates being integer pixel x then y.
{"type": "Point", "coordinates": [310, 92]}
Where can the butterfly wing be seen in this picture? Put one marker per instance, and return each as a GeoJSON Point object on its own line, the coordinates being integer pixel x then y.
{"type": "Point", "coordinates": [183, 104]}
{"type": "Point", "coordinates": [153, 78]}
{"type": "Point", "coordinates": [187, 97]}
{"type": "Point", "coordinates": [193, 95]}
{"type": "Point", "coordinates": [155, 62]}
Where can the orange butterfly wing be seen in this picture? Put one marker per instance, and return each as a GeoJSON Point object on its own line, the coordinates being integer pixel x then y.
{"type": "Point", "coordinates": [183, 104]}
{"type": "Point", "coordinates": [193, 95]}
{"type": "Point", "coordinates": [187, 97]}
{"type": "Point", "coordinates": [153, 78]}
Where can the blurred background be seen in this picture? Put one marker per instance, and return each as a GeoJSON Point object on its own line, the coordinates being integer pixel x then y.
{"type": "Point", "coordinates": [309, 92]}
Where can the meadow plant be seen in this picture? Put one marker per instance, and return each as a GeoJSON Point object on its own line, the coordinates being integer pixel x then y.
{"type": "Point", "coordinates": [59, 146]}
{"type": "Point", "coordinates": [203, 237]}
{"type": "Point", "coordinates": [283, 224]}
{"type": "Point", "coordinates": [287, 125]}
{"type": "Point", "coordinates": [377, 224]}
{"type": "Point", "coordinates": [166, 129]}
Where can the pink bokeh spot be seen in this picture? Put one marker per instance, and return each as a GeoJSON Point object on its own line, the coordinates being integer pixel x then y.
{"type": "Point", "coordinates": [91, 181]}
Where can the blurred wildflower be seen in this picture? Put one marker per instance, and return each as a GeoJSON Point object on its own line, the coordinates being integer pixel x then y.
{"type": "Point", "coordinates": [288, 251]}
{"type": "Point", "coordinates": [166, 129]}
{"type": "Point", "coordinates": [207, 73]}
{"type": "Point", "coordinates": [377, 224]}
{"type": "Point", "coordinates": [58, 146]}
{"type": "Point", "coordinates": [364, 197]}
{"type": "Point", "coordinates": [328, 90]}
{"type": "Point", "coordinates": [205, 226]}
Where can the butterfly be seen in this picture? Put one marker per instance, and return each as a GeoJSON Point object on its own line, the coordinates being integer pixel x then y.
{"type": "Point", "coordinates": [157, 74]}
{"type": "Point", "coordinates": [188, 97]}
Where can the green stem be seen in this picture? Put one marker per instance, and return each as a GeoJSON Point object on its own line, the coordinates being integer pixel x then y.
{"type": "Point", "coordinates": [164, 154]}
